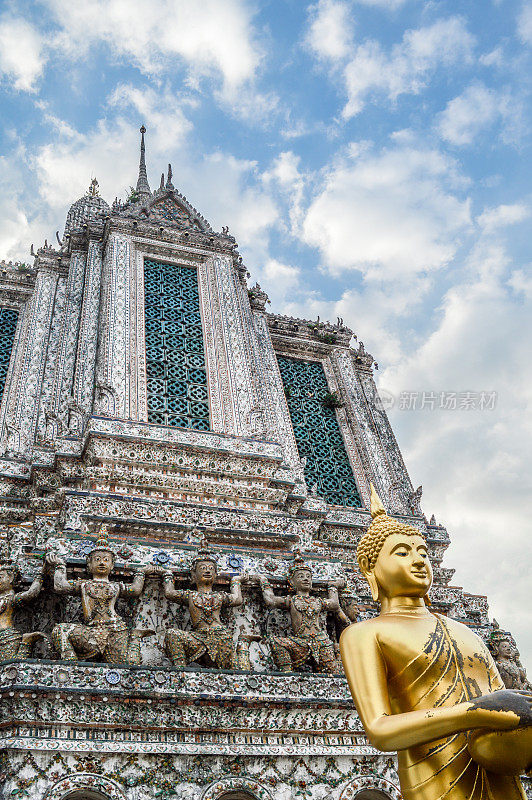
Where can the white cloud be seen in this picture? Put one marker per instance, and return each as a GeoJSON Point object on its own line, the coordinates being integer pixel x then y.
{"type": "Point", "coordinates": [13, 220]}
{"type": "Point", "coordinates": [408, 65]}
{"type": "Point", "coordinates": [228, 191]}
{"type": "Point", "coordinates": [280, 281]}
{"type": "Point", "coordinates": [286, 176]}
{"type": "Point", "coordinates": [474, 464]}
{"type": "Point", "coordinates": [524, 23]}
{"type": "Point", "coordinates": [391, 4]}
{"type": "Point", "coordinates": [521, 282]}
{"type": "Point", "coordinates": [210, 37]}
{"type": "Point", "coordinates": [474, 110]}
{"type": "Point", "coordinates": [21, 53]}
{"type": "Point", "coordinates": [330, 30]}
{"type": "Point", "coordinates": [65, 167]}
{"type": "Point", "coordinates": [495, 58]}
{"type": "Point", "coordinates": [163, 110]}
{"type": "Point", "coordinates": [503, 215]}
{"type": "Point", "coordinates": [276, 271]}
{"type": "Point", "coordinates": [390, 214]}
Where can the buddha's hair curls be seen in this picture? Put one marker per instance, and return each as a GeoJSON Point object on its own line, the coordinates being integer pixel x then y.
{"type": "Point", "coordinates": [381, 527]}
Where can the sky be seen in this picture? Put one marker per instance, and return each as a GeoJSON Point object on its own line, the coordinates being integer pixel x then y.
{"type": "Point", "coordinates": [372, 158]}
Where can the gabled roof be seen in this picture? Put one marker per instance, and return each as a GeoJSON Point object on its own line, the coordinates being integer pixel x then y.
{"type": "Point", "coordinates": [166, 204]}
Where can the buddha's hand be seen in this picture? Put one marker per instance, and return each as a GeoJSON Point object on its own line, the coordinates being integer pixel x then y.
{"type": "Point", "coordinates": [504, 709]}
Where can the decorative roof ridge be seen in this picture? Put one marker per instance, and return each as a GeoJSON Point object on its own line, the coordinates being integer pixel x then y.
{"type": "Point", "coordinates": [139, 208]}
{"type": "Point", "coordinates": [169, 190]}
{"type": "Point", "coordinates": [19, 266]}
{"type": "Point", "coordinates": [316, 325]}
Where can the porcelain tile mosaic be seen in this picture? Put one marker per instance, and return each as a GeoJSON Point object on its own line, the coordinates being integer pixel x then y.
{"type": "Point", "coordinates": [173, 457]}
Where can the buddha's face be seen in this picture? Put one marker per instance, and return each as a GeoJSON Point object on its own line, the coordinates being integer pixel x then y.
{"type": "Point", "coordinates": [205, 572]}
{"type": "Point", "coordinates": [100, 563]}
{"type": "Point", "coordinates": [403, 567]}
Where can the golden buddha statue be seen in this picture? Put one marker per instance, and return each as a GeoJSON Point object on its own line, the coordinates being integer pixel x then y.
{"type": "Point", "coordinates": [422, 682]}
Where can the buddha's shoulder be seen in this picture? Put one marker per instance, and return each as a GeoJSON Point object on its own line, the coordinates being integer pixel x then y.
{"type": "Point", "coordinates": [460, 630]}
{"type": "Point", "coordinates": [362, 631]}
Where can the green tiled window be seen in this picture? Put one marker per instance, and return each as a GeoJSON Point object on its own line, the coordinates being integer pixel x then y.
{"type": "Point", "coordinates": [175, 358]}
{"type": "Point", "coordinates": [8, 326]}
{"type": "Point", "coordinates": [317, 432]}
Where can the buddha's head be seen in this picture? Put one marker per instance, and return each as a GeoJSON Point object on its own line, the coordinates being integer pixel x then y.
{"type": "Point", "coordinates": [393, 557]}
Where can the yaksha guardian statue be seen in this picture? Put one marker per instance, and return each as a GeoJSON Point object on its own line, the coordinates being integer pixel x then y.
{"type": "Point", "coordinates": [506, 657]}
{"type": "Point", "coordinates": [13, 643]}
{"type": "Point", "coordinates": [310, 641]}
{"type": "Point", "coordinates": [210, 641]}
{"type": "Point", "coordinates": [426, 685]}
{"type": "Point", "coordinates": [104, 635]}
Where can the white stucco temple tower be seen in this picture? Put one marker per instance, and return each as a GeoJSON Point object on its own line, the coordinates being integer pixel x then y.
{"type": "Point", "coordinates": [147, 388]}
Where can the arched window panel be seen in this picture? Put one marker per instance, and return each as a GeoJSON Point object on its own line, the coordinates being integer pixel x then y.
{"type": "Point", "coordinates": [175, 354]}
{"type": "Point", "coordinates": [8, 326]}
{"type": "Point", "coordinates": [317, 432]}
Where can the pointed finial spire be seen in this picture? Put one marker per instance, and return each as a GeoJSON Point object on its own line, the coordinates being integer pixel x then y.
{"type": "Point", "coordinates": [143, 187]}
{"type": "Point", "coordinates": [169, 184]}
{"type": "Point", "coordinates": [93, 188]}
{"type": "Point", "coordinates": [375, 506]}
{"type": "Point", "coordinates": [162, 180]}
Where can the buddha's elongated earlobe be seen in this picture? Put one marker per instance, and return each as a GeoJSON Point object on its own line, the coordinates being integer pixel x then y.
{"type": "Point", "coordinates": [370, 577]}
{"type": "Point", "coordinates": [373, 585]}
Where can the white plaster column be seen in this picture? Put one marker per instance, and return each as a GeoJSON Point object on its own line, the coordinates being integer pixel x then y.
{"type": "Point", "coordinates": [84, 374]}
{"type": "Point", "coordinates": [33, 347]}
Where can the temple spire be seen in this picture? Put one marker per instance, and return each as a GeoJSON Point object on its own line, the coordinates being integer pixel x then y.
{"type": "Point", "coordinates": [143, 187]}
{"type": "Point", "coordinates": [169, 184]}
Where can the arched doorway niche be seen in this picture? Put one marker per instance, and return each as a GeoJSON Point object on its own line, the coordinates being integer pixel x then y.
{"type": "Point", "coordinates": [85, 786]}
{"type": "Point", "coordinates": [370, 787]}
{"type": "Point", "coordinates": [236, 789]}
{"type": "Point", "coordinates": [85, 794]}
{"type": "Point", "coordinates": [237, 795]}
{"type": "Point", "coordinates": [371, 794]}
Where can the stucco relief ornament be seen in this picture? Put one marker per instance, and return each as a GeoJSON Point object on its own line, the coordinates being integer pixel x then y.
{"type": "Point", "coordinates": [104, 635]}
{"type": "Point", "coordinates": [13, 643]}
{"type": "Point", "coordinates": [210, 642]}
{"type": "Point", "coordinates": [309, 642]}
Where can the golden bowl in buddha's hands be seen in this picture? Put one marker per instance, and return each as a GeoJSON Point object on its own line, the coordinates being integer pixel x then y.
{"type": "Point", "coordinates": [502, 752]}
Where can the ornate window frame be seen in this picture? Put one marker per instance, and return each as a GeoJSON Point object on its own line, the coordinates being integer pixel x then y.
{"type": "Point", "coordinates": [121, 360]}
{"type": "Point", "coordinates": [343, 423]}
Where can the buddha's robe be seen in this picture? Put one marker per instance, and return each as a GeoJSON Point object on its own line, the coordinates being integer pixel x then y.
{"type": "Point", "coordinates": [453, 667]}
